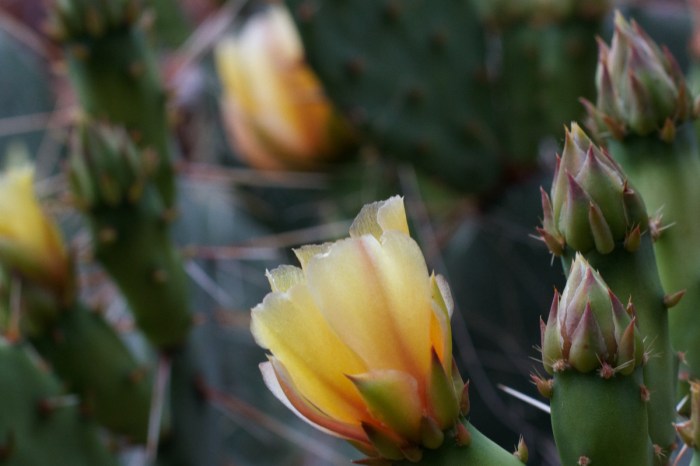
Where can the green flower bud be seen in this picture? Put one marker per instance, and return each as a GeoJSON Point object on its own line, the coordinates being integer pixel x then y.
{"type": "Point", "coordinates": [640, 86]}
{"type": "Point", "coordinates": [106, 168]}
{"type": "Point", "coordinates": [592, 206]}
{"type": "Point", "coordinates": [588, 328]}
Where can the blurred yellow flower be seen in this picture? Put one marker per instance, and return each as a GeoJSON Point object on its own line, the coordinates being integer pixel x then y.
{"type": "Point", "coordinates": [30, 243]}
{"type": "Point", "coordinates": [361, 340]}
{"type": "Point", "coordinates": [274, 106]}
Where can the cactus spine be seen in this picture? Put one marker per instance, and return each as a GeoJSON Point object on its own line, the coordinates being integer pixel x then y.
{"type": "Point", "coordinates": [594, 211]}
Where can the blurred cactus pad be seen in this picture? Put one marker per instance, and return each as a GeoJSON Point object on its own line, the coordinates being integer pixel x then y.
{"type": "Point", "coordinates": [318, 232]}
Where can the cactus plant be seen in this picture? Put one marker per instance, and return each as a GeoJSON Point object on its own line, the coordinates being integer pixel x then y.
{"type": "Point", "coordinates": [81, 347]}
{"type": "Point", "coordinates": [436, 113]}
{"type": "Point", "coordinates": [594, 351]}
{"type": "Point", "coordinates": [40, 423]}
{"type": "Point", "coordinates": [595, 211]}
{"type": "Point", "coordinates": [113, 182]}
{"type": "Point", "coordinates": [115, 75]}
{"type": "Point", "coordinates": [547, 53]}
{"type": "Point", "coordinates": [468, 98]}
{"type": "Point", "coordinates": [643, 109]}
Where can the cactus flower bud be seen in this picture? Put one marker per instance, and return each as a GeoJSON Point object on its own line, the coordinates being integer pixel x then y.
{"type": "Point", "coordinates": [106, 168]}
{"type": "Point", "coordinates": [30, 242]}
{"type": "Point", "coordinates": [640, 86]}
{"type": "Point", "coordinates": [274, 106]}
{"type": "Point", "coordinates": [360, 338]}
{"type": "Point", "coordinates": [592, 205]}
{"type": "Point", "coordinates": [588, 328]}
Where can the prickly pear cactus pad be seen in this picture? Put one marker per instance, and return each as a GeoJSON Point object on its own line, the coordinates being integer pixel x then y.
{"type": "Point", "coordinates": [410, 75]}
{"type": "Point", "coordinates": [114, 73]}
{"type": "Point", "coordinates": [39, 423]}
{"type": "Point", "coordinates": [592, 347]}
{"type": "Point", "coordinates": [596, 212]}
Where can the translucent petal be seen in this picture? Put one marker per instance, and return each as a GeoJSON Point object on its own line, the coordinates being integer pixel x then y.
{"type": "Point", "coordinates": [305, 253]}
{"type": "Point", "coordinates": [277, 380]}
{"type": "Point", "coordinates": [291, 327]}
{"type": "Point", "coordinates": [378, 217]}
{"type": "Point", "coordinates": [377, 297]}
{"type": "Point", "coordinates": [284, 277]}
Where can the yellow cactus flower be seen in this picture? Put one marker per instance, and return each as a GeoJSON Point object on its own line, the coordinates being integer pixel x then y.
{"type": "Point", "coordinates": [275, 109]}
{"type": "Point", "coordinates": [30, 243]}
{"type": "Point", "coordinates": [361, 340]}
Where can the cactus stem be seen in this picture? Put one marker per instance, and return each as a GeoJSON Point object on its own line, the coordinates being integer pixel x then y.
{"type": "Point", "coordinates": [672, 299]}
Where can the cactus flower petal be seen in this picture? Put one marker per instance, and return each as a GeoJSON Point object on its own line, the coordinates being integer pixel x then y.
{"type": "Point", "coordinates": [30, 243]}
{"type": "Point", "coordinates": [274, 105]}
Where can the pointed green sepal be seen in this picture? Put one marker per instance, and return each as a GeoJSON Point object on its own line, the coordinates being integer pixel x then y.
{"type": "Point", "coordinates": [430, 432]}
{"type": "Point", "coordinates": [443, 401]}
{"type": "Point", "coordinates": [587, 343]}
{"type": "Point", "coordinates": [392, 397]}
{"type": "Point", "coordinates": [602, 235]}
{"type": "Point", "coordinates": [387, 444]}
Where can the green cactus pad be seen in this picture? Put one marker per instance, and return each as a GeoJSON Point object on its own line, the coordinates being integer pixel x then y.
{"type": "Point", "coordinates": [408, 74]}
{"type": "Point", "coordinates": [602, 420]}
{"type": "Point", "coordinates": [634, 275]}
{"type": "Point", "coordinates": [667, 177]}
{"type": "Point", "coordinates": [133, 243]}
{"type": "Point", "coordinates": [130, 225]}
{"type": "Point", "coordinates": [116, 79]}
{"type": "Point", "coordinates": [89, 356]}
{"type": "Point", "coordinates": [30, 435]}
